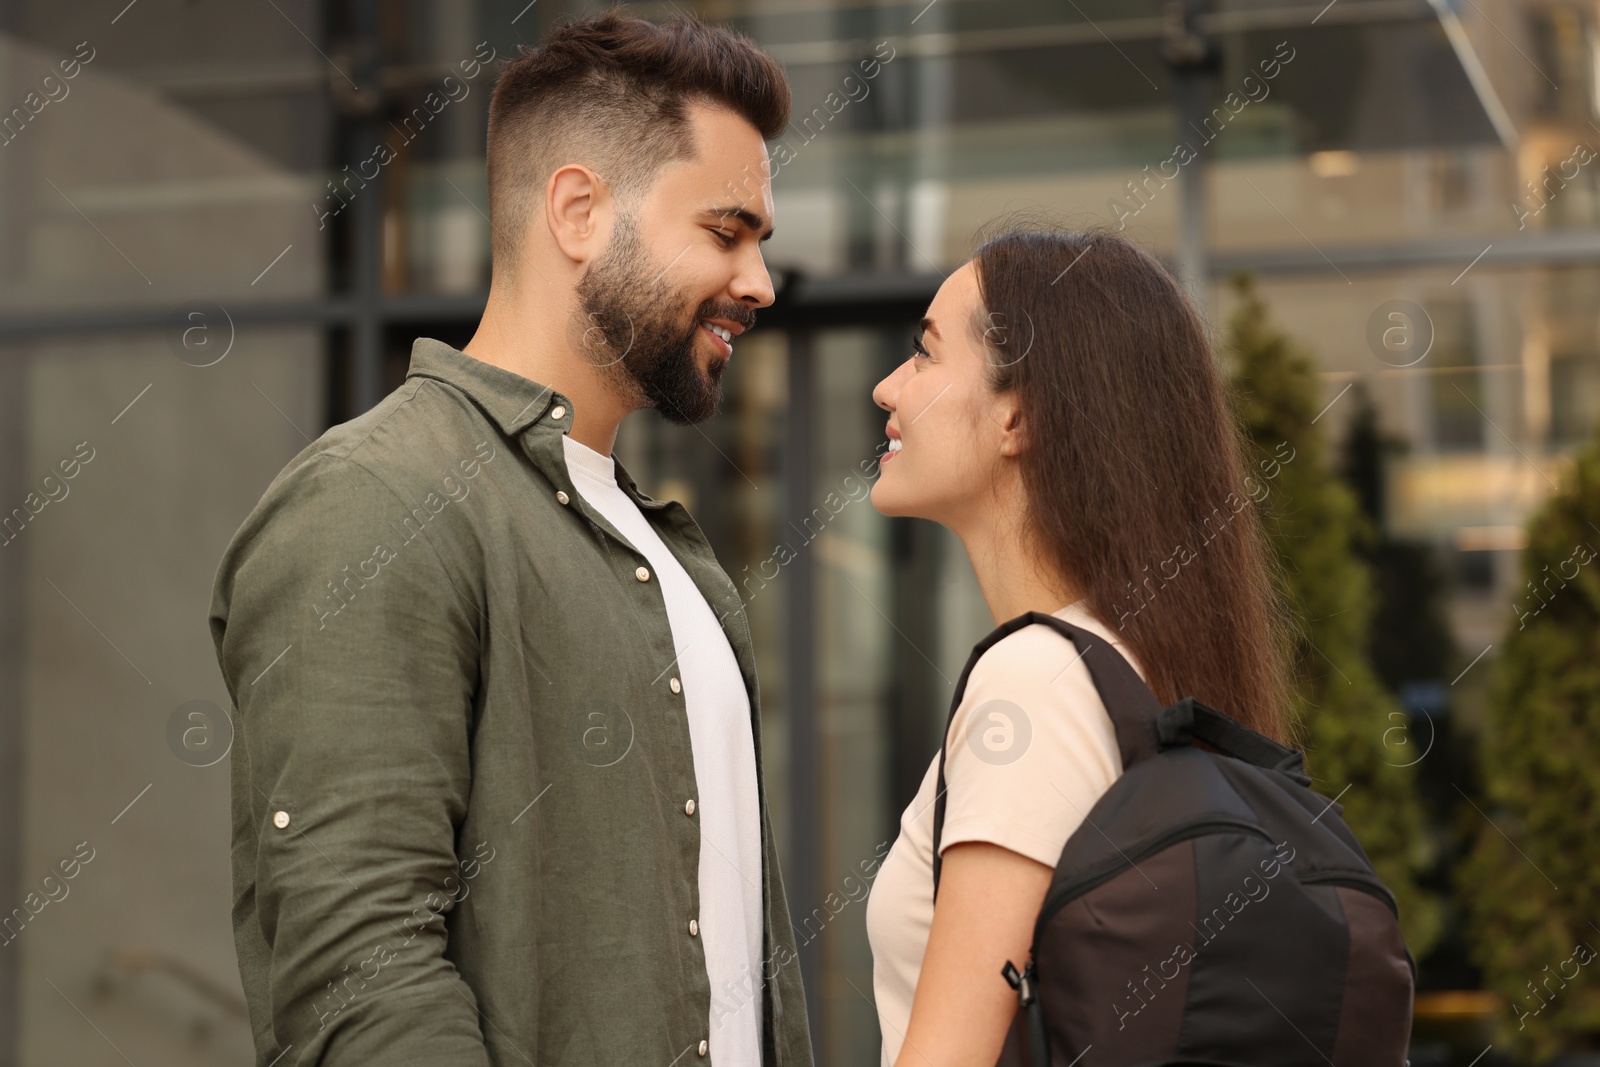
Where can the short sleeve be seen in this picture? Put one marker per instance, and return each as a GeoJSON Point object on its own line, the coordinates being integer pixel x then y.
{"type": "Point", "coordinates": [1030, 749]}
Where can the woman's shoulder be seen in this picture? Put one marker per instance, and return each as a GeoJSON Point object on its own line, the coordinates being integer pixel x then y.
{"type": "Point", "coordinates": [1033, 689]}
{"type": "Point", "coordinates": [1031, 746]}
{"type": "Point", "coordinates": [1039, 654]}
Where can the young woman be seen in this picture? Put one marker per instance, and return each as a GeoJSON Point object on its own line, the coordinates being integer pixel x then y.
{"type": "Point", "coordinates": [1062, 414]}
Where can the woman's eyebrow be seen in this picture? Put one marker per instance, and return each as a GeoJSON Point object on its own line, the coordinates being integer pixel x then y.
{"type": "Point", "coordinates": [927, 324]}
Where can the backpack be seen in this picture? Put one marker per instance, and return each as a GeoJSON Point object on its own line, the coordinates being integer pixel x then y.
{"type": "Point", "coordinates": [1211, 909]}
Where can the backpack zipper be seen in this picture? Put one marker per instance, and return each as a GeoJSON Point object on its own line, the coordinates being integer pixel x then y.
{"type": "Point", "coordinates": [1370, 886]}
{"type": "Point", "coordinates": [1037, 1034]}
{"type": "Point", "coordinates": [1103, 872]}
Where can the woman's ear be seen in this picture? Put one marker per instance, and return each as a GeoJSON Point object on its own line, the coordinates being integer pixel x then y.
{"type": "Point", "coordinates": [1013, 432]}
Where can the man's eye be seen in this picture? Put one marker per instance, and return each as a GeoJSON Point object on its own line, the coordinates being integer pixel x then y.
{"type": "Point", "coordinates": [727, 239]}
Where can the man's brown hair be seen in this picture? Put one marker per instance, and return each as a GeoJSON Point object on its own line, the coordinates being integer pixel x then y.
{"type": "Point", "coordinates": [613, 92]}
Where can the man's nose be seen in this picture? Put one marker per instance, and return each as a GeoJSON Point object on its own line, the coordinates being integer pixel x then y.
{"type": "Point", "coordinates": [753, 286]}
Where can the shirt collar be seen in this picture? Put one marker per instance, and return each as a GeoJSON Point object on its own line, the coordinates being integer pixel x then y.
{"type": "Point", "coordinates": [512, 401]}
{"type": "Point", "coordinates": [521, 407]}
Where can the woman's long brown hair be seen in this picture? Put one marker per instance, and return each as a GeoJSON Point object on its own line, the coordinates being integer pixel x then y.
{"type": "Point", "coordinates": [1134, 470]}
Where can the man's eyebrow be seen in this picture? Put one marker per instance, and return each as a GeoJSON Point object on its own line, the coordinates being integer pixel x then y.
{"type": "Point", "coordinates": [751, 220]}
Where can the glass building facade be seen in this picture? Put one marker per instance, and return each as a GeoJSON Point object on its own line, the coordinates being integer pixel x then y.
{"type": "Point", "coordinates": [222, 226]}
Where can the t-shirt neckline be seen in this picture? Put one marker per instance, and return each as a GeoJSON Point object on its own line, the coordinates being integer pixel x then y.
{"type": "Point", "coordinates": [581, 459]}
{"type": "Point", "coordinates": [1069, 607]}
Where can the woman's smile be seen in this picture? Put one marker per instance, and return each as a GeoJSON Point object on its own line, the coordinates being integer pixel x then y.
{"type": "Point", "coordinates": [895, 445]}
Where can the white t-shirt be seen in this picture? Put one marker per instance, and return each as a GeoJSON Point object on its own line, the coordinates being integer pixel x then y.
{"type": "Point", "coordinates": [1022, 773]}
{"type": "Point", "coordinates": [728, 808]}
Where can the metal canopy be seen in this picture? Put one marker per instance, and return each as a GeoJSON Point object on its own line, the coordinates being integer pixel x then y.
{"type": "Point", "coordinates": [1367, 75]}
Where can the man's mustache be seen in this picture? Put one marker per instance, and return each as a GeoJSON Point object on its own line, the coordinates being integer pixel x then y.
{"type": "Point", "coordinates": [742, 314]}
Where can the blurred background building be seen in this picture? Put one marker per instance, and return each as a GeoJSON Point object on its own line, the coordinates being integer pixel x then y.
{"type": "Point", "coordinates": [193, 286]}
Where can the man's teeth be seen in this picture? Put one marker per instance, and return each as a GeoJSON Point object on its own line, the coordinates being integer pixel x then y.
{"type": "Point", "coordinates": [895, 444]}
{"type": "Point", "coordinates": [725, 334]}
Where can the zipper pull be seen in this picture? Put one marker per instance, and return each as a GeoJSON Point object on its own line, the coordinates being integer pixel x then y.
{"type": "Point", "coordinates": [1021, 981]}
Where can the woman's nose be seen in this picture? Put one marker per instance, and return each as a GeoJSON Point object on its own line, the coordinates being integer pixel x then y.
{"type": "Point", "coordinates": [882, 393]}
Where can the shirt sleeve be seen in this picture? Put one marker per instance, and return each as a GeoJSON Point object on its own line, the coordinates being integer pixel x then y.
{"type": "Point", "coordinates": [1030, 750]}
{"type": "Point", "coordinates": [351, 655]}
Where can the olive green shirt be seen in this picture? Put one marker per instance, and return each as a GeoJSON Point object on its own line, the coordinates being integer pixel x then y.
{"type": "Point", "coordinates": [461, 823]}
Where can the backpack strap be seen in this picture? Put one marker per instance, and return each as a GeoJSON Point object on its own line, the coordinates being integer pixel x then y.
{"type": "Point", "coordinates": [1133, 708]}
{"type": "Point", "coordinates": [1190, 720]}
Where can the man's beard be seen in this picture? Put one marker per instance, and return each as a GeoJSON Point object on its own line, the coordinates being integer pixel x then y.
{"type": "Point", "coordinates": [633, 333]}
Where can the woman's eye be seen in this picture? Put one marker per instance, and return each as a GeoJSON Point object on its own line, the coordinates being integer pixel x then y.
{"type": "Point", "coordinates": [918, 348]}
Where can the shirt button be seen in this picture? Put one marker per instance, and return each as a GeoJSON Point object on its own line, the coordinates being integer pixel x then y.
{"type": "Point", "coordinates": [704, 1048]}
{"type": "Point", "coordinates": [280, 819]}
{"type": "Point", "coordinates": [677, 686]}
{"type": "Point", "coordinates": [688, 808]}
{"type": "Point", "coordinates": [557, 412]}
{"type": "Point", "coordinates": [643, 574]}
{"type": "Point", "coordinates": [694, 928]}
{"type": "Point", "coordinates": [562, 496]}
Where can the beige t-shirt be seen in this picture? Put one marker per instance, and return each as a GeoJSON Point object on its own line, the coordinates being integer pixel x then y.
{"type": "Point", "coordinates": [1030, 751]}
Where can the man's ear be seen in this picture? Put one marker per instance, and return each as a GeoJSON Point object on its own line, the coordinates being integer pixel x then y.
{"type": "Point", "coordinates": [576, 204]}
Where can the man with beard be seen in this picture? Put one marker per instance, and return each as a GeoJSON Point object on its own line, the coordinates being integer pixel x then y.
{"type": "Point", "coordinates": [497, 793]}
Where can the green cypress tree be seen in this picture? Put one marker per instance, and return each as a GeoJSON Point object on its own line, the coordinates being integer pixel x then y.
{"type": "Point", "coordinates": [1353, 729]}
{"type": "Point", "coordinates": [1532, 881]}
{"type": "Point", "coordinates": [1409, 639]}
